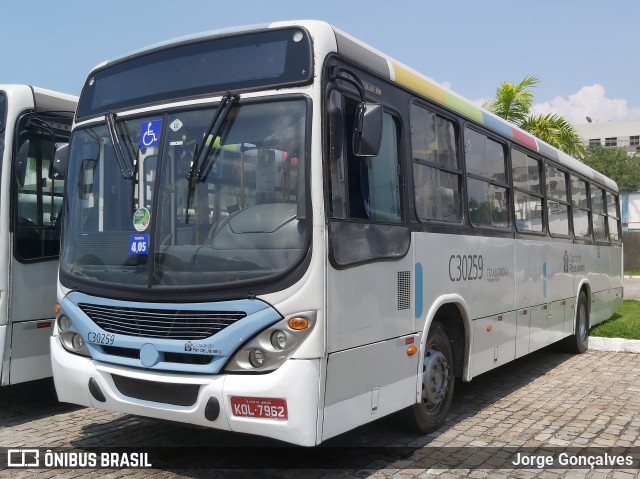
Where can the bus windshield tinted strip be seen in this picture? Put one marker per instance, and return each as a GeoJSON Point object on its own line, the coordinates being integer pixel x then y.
{"type": "Point", "coordinates": [257, 60]}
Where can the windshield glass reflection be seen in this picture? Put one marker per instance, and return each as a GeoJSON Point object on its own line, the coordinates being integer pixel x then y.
{"type": "Point", "coordinates": [242, 220]}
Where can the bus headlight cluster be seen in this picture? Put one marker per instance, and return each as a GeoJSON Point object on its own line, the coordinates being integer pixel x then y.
{"type": "Point", "coordinates": [69, 337]}
{"type": "Point", "coordinates": [273, 346]}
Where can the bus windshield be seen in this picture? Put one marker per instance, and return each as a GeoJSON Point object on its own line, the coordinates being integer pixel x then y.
{"type": "Point", "coordinates": [241, 221]}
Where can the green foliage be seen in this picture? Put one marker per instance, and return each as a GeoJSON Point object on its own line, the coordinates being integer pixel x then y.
{"type": "Point", "coordinates": [625, 322]}
{"type": "Point", "coordinates": [556, 131]}
{"type": "Point", "coordinates": [514, 102]}
{"type": "Point", "coordinates": [616, 164]}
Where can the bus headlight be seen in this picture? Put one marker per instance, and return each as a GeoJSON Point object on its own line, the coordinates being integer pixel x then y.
{"type": "Point", "coordinates": [71, 340]}
{"type": "Point", "coordinates": [273, 346]}
{"type": "Point", "coordinates": [256, 358]}
{"type": "Point", "coordinates": [279, 340]}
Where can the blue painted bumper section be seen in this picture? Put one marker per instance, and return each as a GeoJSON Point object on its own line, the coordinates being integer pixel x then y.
{"type": "Point", "coordinates": [150, 352]}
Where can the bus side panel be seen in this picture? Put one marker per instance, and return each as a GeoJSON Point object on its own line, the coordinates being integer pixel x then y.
{"type": "Point", "coordinates": [542, 284]}
{"type": "Point", "coordinates": [368, 382]}
{"type": "Point", "coordinates": [369, 303]}
{"type": "Point", "coordinates": [33, 290]}
{"type": "Point", "coordinates": [366, 305]}
{"type": "Point", "coordinates": [33, 295]}
{"type": "Point", "coordinates": [591, 262]}
{"type": "Point", "coordinates": [615, 267]}
{"type": "Point", "coordinates": [30, 358]}
{"type": "Point", "coordinates": [4, 357]}
{"type": "Point", "coordinates": [479, 269]}
{"type": "Point", "coordinates": [615, 278]}
{"type": "Point", "coordinates": [494, 343]}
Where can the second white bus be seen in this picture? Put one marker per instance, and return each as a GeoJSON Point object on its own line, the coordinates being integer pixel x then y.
{"type": "Point", "coordinates": [32, 122]}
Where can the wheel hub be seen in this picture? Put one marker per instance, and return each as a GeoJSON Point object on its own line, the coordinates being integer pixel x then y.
{"type": "Point", "coordinates": [435, 377]}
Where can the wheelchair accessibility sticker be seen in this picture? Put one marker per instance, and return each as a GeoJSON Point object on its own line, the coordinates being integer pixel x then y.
{"type": "Point", "coordinates": [150, 133]}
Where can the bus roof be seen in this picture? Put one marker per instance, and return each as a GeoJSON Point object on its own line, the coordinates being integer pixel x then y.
{"type": "Point", "coordinates": [381, 64]}
{"type": "Point", "coordinates": [44, 99]}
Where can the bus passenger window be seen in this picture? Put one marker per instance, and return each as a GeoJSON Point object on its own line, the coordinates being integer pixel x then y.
{"type": "Point", "coordinates": [599, 217]}
{"type": "Point", "coordinates": [436, 168]}
{"type": "Point", "coordinates": [581, 211]}
{"type": "Point", "coordinates": [527, 196]}
{"type": "Point", "coordinates": [557, 201]}
{"type": "Point", "coordinates": [613, 218]}
{"type": "Point", "coordinates": [488, 193]}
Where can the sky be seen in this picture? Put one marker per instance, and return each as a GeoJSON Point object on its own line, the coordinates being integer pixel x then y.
{"type": "Point", "coordinates": [584, 53]}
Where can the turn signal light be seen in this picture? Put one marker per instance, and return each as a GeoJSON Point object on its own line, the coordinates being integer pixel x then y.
{"type": "Point", "coordinates": [299, 323]}
{"type": "Point", "coordinates": [56, 308]}
{"type": "Point", "coordinates": [411, 350]}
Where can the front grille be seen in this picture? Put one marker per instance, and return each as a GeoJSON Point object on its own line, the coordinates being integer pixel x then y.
{"type": "Point", "coordinates": [122, 352]}
{"type": "Point", "coordinates": [165, 393]}
{"type": "Point", "coordinates": [180, 358]}
{"type": "Point", "coordinates": [160, 323]}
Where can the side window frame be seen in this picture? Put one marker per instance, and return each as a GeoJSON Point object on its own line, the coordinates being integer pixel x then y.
{"type": "Point", "coordinates": [593, 187]}
{"type": "Point", "coordinates": [540, 194]}
{"type": "Point", "coordinates": [613, 215]}
{"type": "Point", "coordinates": [35, 239]}
{"type": "Point", "coordinates": [357, 241]}
{"type": "Point", "coordinates": [505, 185]}
{"type": "Point", "coordinates": [566, 202]}
{"type": "Point", "coordinates": [436, 167]}
{"type": "Point", "coordinates": [575, 205]}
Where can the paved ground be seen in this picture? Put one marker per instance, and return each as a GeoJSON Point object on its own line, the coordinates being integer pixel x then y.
{"type": "Point", "coordinates": [548, 401]}
{"type": "Point", "coordinates": [632, 287]}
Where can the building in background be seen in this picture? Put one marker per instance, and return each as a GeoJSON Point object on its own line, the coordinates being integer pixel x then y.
{"type": "Point", "coordinates": [612, 134]}
{"type": "Point", "coordinates": [624, 134]}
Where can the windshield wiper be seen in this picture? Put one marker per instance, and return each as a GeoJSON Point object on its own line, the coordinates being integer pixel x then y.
{"type": "Point", "coordinates": [123, 159]}
{"type": "Point", "coordinates": [202, 157]}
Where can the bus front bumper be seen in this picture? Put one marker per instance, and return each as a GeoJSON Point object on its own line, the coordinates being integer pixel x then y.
{"type": "Point", "coordinates": [81, 380]}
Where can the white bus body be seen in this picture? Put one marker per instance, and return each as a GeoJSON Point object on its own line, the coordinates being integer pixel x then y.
{"type": "Point", "coordinates": [355, 274]}
{"type": "Point", "coordinates": [28, 230]}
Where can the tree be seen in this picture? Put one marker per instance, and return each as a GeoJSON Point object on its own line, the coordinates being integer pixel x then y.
{"type": "Point", "coordinates": [514, 102]}
{"type": "Point", "coordinates": [616, 164]}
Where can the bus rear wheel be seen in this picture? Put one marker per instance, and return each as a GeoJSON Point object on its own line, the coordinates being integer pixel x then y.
{"type": "Point", "coordinates": [579, 342]}
{"type": "Point", "coordinates": [437, 384]}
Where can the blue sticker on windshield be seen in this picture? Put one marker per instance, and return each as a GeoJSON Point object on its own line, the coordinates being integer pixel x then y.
{"type": "Point", "coordinates": [150, 133]}
{"type": "Point", "coordinates": [139, 244]}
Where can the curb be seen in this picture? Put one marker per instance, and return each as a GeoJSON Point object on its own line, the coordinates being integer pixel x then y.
{"type": "Point", "coordinates": [614, 344]}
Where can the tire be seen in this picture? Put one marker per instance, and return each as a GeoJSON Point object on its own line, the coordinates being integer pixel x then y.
{"type": "Point", "coordinates": [579, 342]}
{"type": "Point", "coordinates": [437, 384]}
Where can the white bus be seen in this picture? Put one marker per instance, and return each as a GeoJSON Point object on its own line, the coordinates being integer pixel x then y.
{"type": "Point", "coordinates": [280, 231]}
{"type": "Point", "coordinates": [33, 121]}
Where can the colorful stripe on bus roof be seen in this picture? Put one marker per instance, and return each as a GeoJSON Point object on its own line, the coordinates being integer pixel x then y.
{"type": "Point", "coordinates": [439, 95]}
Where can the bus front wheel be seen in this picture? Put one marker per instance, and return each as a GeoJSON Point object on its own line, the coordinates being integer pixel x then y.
{"type": "Point", "coordinates": [437, 383]}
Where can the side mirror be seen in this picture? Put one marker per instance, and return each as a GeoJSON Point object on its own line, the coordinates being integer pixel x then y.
{"type": "Point", "coordinates": [367, 130]}
{"type": "Point", "coordinates": [60, 161]}
{"type": "Point", "coordinates": [21, 163]}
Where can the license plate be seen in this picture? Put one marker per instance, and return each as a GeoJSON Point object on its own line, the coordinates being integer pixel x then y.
{"type": "Point", "coordinates": [259, 408]}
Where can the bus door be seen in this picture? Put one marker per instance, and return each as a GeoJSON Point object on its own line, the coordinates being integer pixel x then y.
{"type": "Point", "coordinates": [370, 318]}
{"type": "Point", "coordinates": [36, 202]}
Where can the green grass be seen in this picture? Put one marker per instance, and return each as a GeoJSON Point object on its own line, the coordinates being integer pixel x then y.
{"type": "Point", "coordinates": [625, 322]}
{"type": "Point", "coordinates": [632, 272]}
